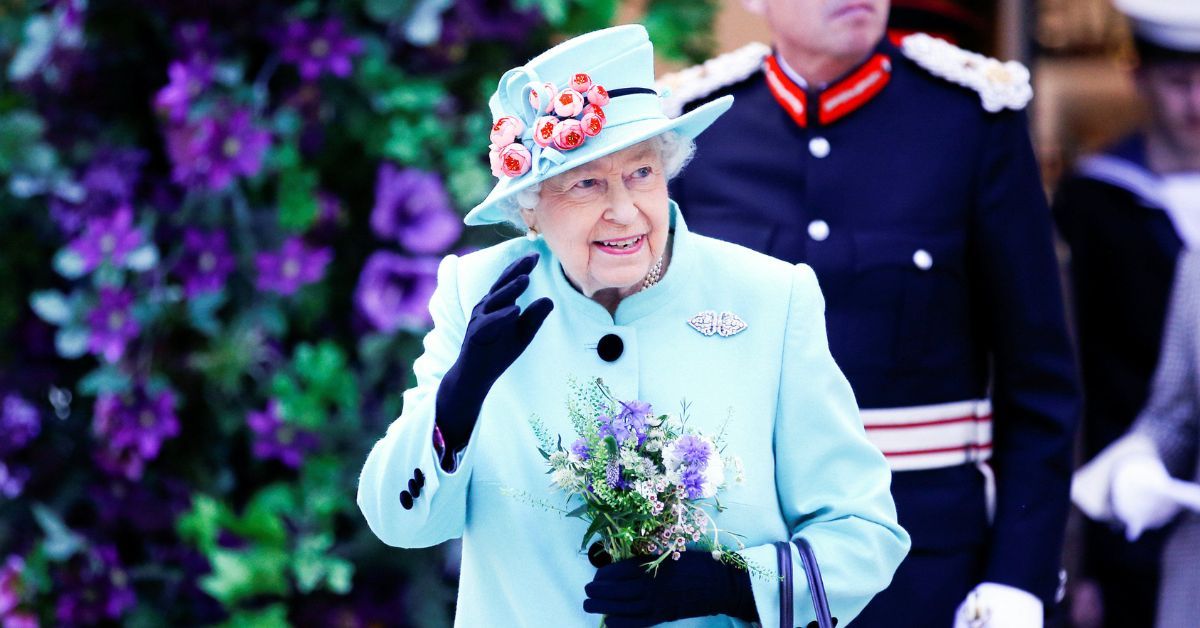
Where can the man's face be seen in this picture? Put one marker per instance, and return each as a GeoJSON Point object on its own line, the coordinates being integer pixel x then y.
{"type": "Point", "coordinates": [1172, 91]}
{"type": "Point", "coordinates": [838, 28]}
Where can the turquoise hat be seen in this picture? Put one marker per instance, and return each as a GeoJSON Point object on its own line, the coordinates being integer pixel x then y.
{"type": "Point", "coordinates": [621, 60]}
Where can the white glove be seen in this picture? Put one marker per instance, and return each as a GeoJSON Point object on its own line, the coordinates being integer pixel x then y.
{"type": "Point", "coordinates": [992, 605]}
{"type": "Point", "coordinates": [1141, 495]}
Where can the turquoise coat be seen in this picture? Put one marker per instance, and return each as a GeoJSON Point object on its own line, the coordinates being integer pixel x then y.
{"type": "Point", "coordinates": [809, 469]}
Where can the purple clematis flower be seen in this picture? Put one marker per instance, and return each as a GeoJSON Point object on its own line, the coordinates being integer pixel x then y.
{"type": "Point", "coordinates": [317, 49]}
{"type": "Point", "coordinates": [293, 266]}
{"type": "Point", "coordinates": [412, 207]}
{"type": "Point", "coordinates": [276, 439]}
{"type": "Point", "coordinates": [109, 238]}
{"type": "Point", "coordinates": [95, 588]}
{"type": "Point", "coordinates": [214, 150]}
{"type": "Point", "coordinates": [10, 584]}
{"type": "Point", "coordinates": [187, 81]}
{"type": "Point", "coordinates": [131, 430]}
{"type": "Point", "coordinates": [108, 183]}
{"type": "Point", "coordinates": [393, 291]}
{"type": "Point", "coordinates": [486, 20]}
{"type": "Point", "coordinates": [206, 263]}
{"type": "Point", "coordinates": [112, 324]}
{"type": "Point", "coordinates": [12, 480]}
{"type": "Point", "coordinates": [19, 423]}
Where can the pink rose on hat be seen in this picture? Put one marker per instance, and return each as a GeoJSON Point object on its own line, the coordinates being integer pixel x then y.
{"type": "Point", "coordinates": [568, 103]}
{"type": "Point", "coordinates": [494, 161]}
{"type": "Point", "coordinates": [533, 99]}
{"type": "Point", "coordinates": [597, 95]}
{"type": "Point", "coordinates": [580, 82]}
{"type": "Point", "coordinates": [568, 134]}
{"type": "Point", "coordinates": [543, 130]}
{"type": "Point", "coordinates": [506, 130]}
{"type": "Point", "coordinates": [515, 160]}
{"type": "Point", "coordinates": [592, 123]}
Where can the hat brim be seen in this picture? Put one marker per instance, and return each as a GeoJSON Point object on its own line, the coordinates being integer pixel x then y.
{"type": "Point", "coordinates": [689, 125]}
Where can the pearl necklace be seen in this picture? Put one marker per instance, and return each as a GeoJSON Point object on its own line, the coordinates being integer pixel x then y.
{"type": "Point", "coordinates": [654, 275]}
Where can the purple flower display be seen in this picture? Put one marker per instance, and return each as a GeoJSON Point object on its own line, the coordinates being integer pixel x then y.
{"type": "Point", "coordinates": [293, 266]}
{"type": "Point", "coordinates": [580, 449]}
{"type": "Point", "coordinates": [109, 182]}
{"type": "Point", "coordinates": [12, 480]}
{"type": "Point", "coordinates": [412, 208]}
{"type": "Point", "coordinates": [214, 150]}
{"type": "Point", "coordinates": [318, 49]}
{"type": "Point", "coordinates": [95, 588]}
{"type": "Point", "coordinates": [19, 423]}
{"type": "Point", "coordinates": [130, 431]}
{"type": "Point", "coordinates": [693, 451]}
{"type": "Point", "coordinates": [393, 291]}
{"type": "Point", "coordinates": [187, 81]}
{"type": "Point", "coordinates": [481, 20]}
{"type": "Point", "coordinates": [10, 584]}
{"type": "Point", "coordinates": [276, 439]}
{"type": "Point", "coordinates": [110, 238]}
{"type": "Point", "coordinates": [206, 262]}
{"type": "Point", "coordinates": [112, 324]}
{"type": "Point", "coordinates": [630, 422]}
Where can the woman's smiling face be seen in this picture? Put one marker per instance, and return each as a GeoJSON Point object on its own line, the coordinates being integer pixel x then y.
{"type": "Point", "coordinates": [607, 221]}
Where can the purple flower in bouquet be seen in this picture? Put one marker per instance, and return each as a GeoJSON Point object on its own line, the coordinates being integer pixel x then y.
{"type": "Point", "coordinates": [393, 291]}
{"type": "Point", "coordinates": [10, 584]}
{"type": "Point", "coordinates": [112, 324]}
{"type": "Point", "coordinates": [276, 439]}
{"type": "Point", "coordinates": [206, 262]}
{"type": "Point", "coordinates": [131, 430]}
{"type": "Point", "coordinates": [12, 480]}
{"type": "Point", "coordinates": [187, 81]}
{"type": "Point", "coordinates": [293, 266]}
{"type": "Point", "coordinates": [19, 423]}
{"type": "Point", "coordinates": [110, 238]}
{"type": "Point", "coordinates": [580, 449]}
{"type": "Point", "coordinates": [108, 183]}
{"type": "Point", "coordinates": [487, 20]}
{"type": "Point", "coordinates": [693, 451]}
{"type": "Point", "coordinates": [95, 588]}
{"type": "Point", "coordinates": [412, 207]}
{"type": "Point", "coordinates": [630, 422]}
{"type": "Point", "coordinates": [214, 150]}
{"type": "Point", "coordinates": [321, 48]}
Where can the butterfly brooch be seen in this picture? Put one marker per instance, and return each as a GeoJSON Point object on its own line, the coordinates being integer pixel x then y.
{"type": "Point", "coordinates": [710, 322]}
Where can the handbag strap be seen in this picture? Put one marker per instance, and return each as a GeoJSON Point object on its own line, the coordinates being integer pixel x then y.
{"type": "Point", "coordinates": [783, 552]}
{"type": "Point", "coordinates": [816, 586]}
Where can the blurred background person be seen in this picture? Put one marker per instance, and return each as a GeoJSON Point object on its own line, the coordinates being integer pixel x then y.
{"type": "Point", "coordinates": [1133, 481]}
{"type": "Point", "coordinates": [1126, 214]}
{"type": "Point", "coordinates": [904, 175]}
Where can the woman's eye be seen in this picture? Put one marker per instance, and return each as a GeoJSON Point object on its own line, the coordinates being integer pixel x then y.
{"type": "Point", "coordinates": [642, 173]}
{"type": "Point", "coordinates": [585, 184]}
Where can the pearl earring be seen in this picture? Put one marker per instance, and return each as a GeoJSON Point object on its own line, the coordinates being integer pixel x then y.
{"type": "Point", "coordinates": [531, 235]}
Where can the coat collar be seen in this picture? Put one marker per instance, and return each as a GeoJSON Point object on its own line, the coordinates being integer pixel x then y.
{"type": "Point", "coordinates": [639, 304]}
{"type": "Point", "coordinates": [810, 106]}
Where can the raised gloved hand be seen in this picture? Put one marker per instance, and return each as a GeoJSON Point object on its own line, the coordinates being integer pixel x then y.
{"type": "Point", "coordinates": [1139, 494]}
{"type": "Point", "coordinates": [696, 585]}
{"type": "Point", "coordinates": [496, 335]}
{"type": "Point", "coordinates": [992, 605]}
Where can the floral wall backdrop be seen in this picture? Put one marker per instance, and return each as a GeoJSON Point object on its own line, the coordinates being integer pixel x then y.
{"type": "Point", "coordinates": [220, 223]}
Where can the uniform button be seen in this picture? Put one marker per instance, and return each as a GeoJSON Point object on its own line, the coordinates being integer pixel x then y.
{"type": "Point", "coordinates": [923, 259]}
{"type": "Point", "coordinates": [414, 488]}
{"type": "Point", "coordinates": [819, 147]}
{"type": "Point", "coordinates": [419, 476]}
{"type": "Point", "coordinates": [818, 230]}
{"type": "Point", "coordinates": [406, 500]}
{"type": "Point", "coordinates": [597, 556]}
{"type": "Point", "coordinates": [610, 347]}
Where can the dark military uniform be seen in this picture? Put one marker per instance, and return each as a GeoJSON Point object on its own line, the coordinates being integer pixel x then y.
{"type": "Point", "coordinates": [924, 218]}
{"type": "Point", "coordinates": [1123, 252]}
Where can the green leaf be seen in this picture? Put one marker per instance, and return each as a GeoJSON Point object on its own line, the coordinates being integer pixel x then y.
{"type": "Point", "coordinates": [201, 525]}
{"type": "Point", "coordinates": [68, 263]}
{"type": "Point", "coordinates": [385, 11]}
{"type": "Point", "coordinates": [106, 379]}
{"type": "Point", "coordinates": [298, 207]}
{"type": "Point", "coordinates": [273, 616]}
{"type": "Point", "coordinates": [51, 306]}
{"type": "Point", "coordinates": [142, 259]}
{"type": "Point", "coordinates": [61, 542]}
{"type": "Point", "coordinates": [595, 527]}
{"type": "Point", "coordinates": [71, 342]}
{"type": "Point", "coordinates": [237, 575]}
{"type": "Point", "coordinates": [202, 309]}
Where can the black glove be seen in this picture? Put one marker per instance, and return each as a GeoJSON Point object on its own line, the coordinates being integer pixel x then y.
{"type": "Point", "coordinates": [696, 585]}
{"type": "Point", "coordinates": [496, 335]}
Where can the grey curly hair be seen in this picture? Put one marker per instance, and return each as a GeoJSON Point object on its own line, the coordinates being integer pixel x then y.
{"type": "Point", "coordinates": [676, 151]}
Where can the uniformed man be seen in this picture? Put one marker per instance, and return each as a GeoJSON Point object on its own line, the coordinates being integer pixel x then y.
{"type": "Point", "coordinates": [903, 174]}
{"type": "Point", "coordinates": [1126, 214]}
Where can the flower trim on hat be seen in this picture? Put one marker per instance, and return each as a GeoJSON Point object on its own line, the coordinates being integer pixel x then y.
{"type": "Point", "coordinates": [572, 115]}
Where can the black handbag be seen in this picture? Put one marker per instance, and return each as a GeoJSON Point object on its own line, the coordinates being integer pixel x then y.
{"type": "Point", "coordinates": [815, 585]}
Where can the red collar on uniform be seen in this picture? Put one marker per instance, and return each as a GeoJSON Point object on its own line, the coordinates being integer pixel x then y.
{"type": "Point", "coordinates": [837, 101]}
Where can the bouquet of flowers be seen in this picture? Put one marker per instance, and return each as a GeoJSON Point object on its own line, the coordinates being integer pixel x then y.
{"type": "Point", "coordinates": [645, 482]}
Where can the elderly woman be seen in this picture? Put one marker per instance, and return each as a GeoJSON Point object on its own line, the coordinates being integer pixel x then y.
{"type": "Point", "coordinates": [610, 284]}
